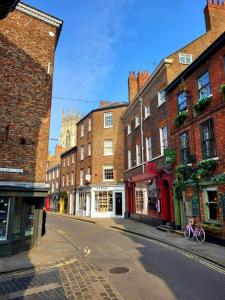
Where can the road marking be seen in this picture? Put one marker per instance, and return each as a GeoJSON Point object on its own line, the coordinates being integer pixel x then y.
{"type": "Point", "coordinates": [30, 291]}
{"type": "Point", "coordinates": [189, 255]}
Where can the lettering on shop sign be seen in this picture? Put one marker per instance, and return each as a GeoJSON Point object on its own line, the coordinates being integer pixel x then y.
{"type": "Point", "coordinates": [102, 188]}
{"type": "Point", "coordinates": [10, 170]}
{"type": "Point", "coordinates": [223, 205]}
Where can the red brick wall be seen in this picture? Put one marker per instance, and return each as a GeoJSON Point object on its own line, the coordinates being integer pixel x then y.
{"type": "Point", "coordinates": [26, 48]}
{"type": "Point", "coordinates": [68, 166]}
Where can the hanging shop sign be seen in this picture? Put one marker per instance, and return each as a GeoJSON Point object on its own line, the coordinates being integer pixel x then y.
{"type": "Point", "coordinates": [10, 170]}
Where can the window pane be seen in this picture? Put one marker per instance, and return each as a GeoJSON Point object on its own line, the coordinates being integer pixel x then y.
{"type": "Point", "coordinates": [208, 140]}
{"type": "Point", "coordinates": [108, 147]}
{"type": "Point", "coordinates": [4, 217]}
{"type": "Point", "coordinates": [182, 101]}
{"type": "Point", "coordinates": [29, 227]}
{"type": "Point", "coordinates": [204, 86]}
{"type": "Point", "coordinates": [108, 120]}
{"type": "Point", "coordinates": [108, 173]}
{"type": "Point", "coordinates": [17, 218]}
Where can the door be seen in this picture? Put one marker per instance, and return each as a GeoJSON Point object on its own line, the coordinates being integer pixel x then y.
{"type": "Point", "coordinates": [119, 204]}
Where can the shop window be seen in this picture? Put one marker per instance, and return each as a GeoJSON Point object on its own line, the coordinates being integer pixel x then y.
{"type": "Point", "coordinates": [29, 220]}
{"type": "Point", "coordinates": [4, 217]}
{"type": "Point", "coordinates": [139, 200]}
{"type": "Point", "coordinates": [17, 218]}
{"type": "Point", "coordinates": [104, 201]}
{"type": "Point", "coordinates": [152, 195]}
{"type": "Point", "coordinates": [184, 148]}
{"type": "Point", "coordinates": [204, 86]}
{"type": "Point", "coordinates": [208, 140]}
{"type": "Point", "coordinates": [82, 201]}
{"type": "Point", "coordinates": [212, 206]}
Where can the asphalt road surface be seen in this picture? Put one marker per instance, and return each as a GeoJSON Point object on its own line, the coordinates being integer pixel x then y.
{"type": "Point", "coordinates": [155, 271]}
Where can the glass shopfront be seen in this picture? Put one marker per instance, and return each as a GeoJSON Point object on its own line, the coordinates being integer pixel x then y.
{"type": "Point", "coordinates": [141, 198]}
{"type": "Point", "coordinates": [4, 217]}
{"type": "Point", "coordinates": [17, 219]}
{"type": "Point", "coordinates": [104, 201]}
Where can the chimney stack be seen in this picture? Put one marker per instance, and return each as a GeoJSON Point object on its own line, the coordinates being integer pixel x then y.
{"type": "Point", "coordinates": [135, 83]}
{"type": "Point", "coordinates": [215, 16]}
{"type": "Point", "coordinates": [104, 103]}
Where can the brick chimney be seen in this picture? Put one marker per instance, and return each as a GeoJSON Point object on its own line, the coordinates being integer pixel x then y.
{"type": "Point", "coordinates": [135, 83]}
{"type": "Point", "coordinates": [104, 103]}
{"type": "Point", "coordinates": [215, 16]}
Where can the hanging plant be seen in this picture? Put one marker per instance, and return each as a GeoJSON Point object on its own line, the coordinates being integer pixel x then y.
{"type": "Point", "coordinates": [181, 117]}
{"type": "Point", "coordinates": [202, 104]}
{"type": "Point", "coordinates": [170, 156]}
{"type": "Point", "coordinates": [206, 167]}
{"type": "Point", "coordinates": [222, 90]}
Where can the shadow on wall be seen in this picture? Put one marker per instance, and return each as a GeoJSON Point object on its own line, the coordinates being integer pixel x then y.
{"type": "Point", "coordinates": [25, 101]}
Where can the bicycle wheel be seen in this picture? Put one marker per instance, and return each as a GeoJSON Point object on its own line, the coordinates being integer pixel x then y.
{"type": "Point", "coordinates": [187, 234]}
{"type": "Point", "coordinates": [200, 235]}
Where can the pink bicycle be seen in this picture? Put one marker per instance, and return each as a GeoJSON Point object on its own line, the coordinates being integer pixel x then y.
{"type": "Point", "coordinates": [194, 232]}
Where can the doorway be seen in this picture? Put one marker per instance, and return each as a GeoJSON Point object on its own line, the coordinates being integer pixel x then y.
{"type": "Point", "coordinates": [119, 204]}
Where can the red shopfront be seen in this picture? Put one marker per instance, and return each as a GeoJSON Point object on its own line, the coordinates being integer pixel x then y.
{"type": "Point", "coordinates": [149, 196]}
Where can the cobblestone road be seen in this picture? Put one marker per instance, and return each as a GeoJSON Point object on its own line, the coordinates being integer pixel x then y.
{"type": "Point", "coordinates": [73, 279]}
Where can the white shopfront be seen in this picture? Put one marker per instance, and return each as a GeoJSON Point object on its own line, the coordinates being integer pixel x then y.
{"type": "Point", "coordinates": [101, 201]}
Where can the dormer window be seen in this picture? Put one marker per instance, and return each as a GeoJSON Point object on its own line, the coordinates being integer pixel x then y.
{"type": "Point", "coordinates": [185, 58]}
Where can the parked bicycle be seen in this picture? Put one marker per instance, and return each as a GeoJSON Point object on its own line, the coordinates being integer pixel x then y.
{"type": "Point", "coordinates": [193, 231]}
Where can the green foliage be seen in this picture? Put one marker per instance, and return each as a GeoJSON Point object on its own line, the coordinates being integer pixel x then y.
{"type": "Point", "coordinates": [214, 228]}
{"type": "Point", "coordinates": [181, 117]}
{"type": "Point", "coordinates": [202, 104]}
{"type": "Point", "coordinates": [222, 88]}
{"type": "Point", "coordinates": [170, 156]}
{"type": "Point", "coordinates": [219, 179]}
{"type": "Point", "coordinates": [205, 167]}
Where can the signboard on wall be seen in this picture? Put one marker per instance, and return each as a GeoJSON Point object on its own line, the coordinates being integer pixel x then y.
{"type": "Point", "coordinates": [195, 206]}
{"type": "Point", "coordinates": [10, 170]}
{"type": "Point", "coordinates": [223, 205]}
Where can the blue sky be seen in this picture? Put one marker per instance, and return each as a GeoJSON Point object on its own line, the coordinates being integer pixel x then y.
{"type": "Point", "coordinates": [102, 40]}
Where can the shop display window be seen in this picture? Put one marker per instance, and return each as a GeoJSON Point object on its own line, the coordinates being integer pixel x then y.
{"type": "Point", "coordinates": [29, 221]}
{"type": "Point", "coordinates": [104, 201]}
{"type": "Point", "coordinates": [152, 195]}
{"type": "Point", "coordinates": [17, 218]}
{"type": "Point", "coordinates": [4, 217]}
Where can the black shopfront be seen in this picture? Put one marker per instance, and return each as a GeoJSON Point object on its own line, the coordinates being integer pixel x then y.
{"type": "Point", "coordinates": [21, 208]}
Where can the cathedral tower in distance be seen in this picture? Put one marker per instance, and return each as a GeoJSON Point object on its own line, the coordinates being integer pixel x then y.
{"type": "Point", "coordinates": [68, 134]}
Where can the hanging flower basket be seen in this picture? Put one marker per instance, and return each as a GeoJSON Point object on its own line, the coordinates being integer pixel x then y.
{"type": "Point", "coordinates": [202, 104]}
{"type": "Point", "coordinates": [181, 117]}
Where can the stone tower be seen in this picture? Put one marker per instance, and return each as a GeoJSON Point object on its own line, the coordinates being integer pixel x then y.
{"type": "Point", "coordinates": [68, 134]}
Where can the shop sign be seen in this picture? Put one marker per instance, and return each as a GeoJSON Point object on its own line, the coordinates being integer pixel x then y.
{"type": "Point", "coordinates": [10, 170]}
{"type": "Point", "coordinates": [102, 188]}
{"type": "Point", "coordinates": [223, 205]}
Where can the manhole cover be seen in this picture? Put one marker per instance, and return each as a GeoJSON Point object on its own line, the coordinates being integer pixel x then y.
{"type": "Point", "coordinates": [118, 270]}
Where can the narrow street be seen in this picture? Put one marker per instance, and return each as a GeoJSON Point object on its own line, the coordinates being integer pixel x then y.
{"type": "Point", "coordinates": [144, 269]}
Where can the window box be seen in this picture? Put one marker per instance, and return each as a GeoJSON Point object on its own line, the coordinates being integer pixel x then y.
{"type": "Point", "coordinates": [202, 104]}
{"type": "Point", "coordinates": [181, 117]}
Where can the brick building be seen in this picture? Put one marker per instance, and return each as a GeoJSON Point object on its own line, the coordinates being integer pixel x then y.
{"type": "Point", "coordinates": [196, 100]}
{"type": "Point", "coordinates": [99, 171]}
{"type": "Point", "coordinates": [53, 180]}
{"type": "Point", "coordinates": [149, 189]}
{"type": "Point", "coordinates": [68, 181]}
{"type": "Point", "coordinates": [28, 38]}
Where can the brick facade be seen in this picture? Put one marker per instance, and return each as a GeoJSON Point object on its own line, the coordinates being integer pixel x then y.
{"type": "Point", "coordinates": [26, 50]}
{"type": "Point", "coordinates": [213, 62]}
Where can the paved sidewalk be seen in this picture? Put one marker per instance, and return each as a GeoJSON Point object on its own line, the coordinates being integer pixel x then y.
{"type": "Point", "coordinates": [209, 251]}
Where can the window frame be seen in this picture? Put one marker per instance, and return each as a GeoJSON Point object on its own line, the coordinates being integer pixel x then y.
{"type": "Point", "coordinates": [147, 111]}
{"type": "Point", "coordinates": [148, 155]}
{"type": "Point", "coordinates": [161, 97]}
{"type": "Point", "coordinates": [108, 167]}
{"type": "Point", "coordinates": [89, 149]}
{"type": "Point", "coordinates": [106, 148]}
{"type": "Point", "coordinates": [184, 150]}
{"type": "Point", "coordinates": [82, 152]}
{"type": "Point", "coordinates": [129, 159]}
{"type": "Point", "coordinates": [185, 55]}
{"type": "Point", "coordinates": [81, 177]}
{"type": "Point", "coordinates": [137, 121]}
{"type": "Point", "coordinates": [82, 130]}
{"type": "Point", "coordinates": [162, 141]}
{"type": "Point", "coordinates": [128, 129]}
{"type": "Point", "coordinates": [200, 96]}
{"type": "Point", "coordinates": [138, 154]}
{"type": "Point", "coordinates": [211, 139]}
{"type": "Point", "coordinates": [105, 115]}
{"type": "Point", "coordinates": [89, 124]}
{"type": "Point", "coordinates": [184, 101]}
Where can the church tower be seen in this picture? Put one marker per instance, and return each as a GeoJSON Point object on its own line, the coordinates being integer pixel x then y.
{"type": "Point", "coordinates": [68, 134]}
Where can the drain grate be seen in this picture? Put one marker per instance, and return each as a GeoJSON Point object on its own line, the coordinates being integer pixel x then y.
{"type": "Point", "coordinates": [118, 270]}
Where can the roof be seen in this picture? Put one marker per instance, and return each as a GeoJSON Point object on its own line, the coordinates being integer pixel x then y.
{"type": "Point", "coordinates": [198, 61]}
{"type": "Point", "coordinates": [71, 150]}
{"type": "Point", "coordinates": [43, 16]}
{"type": "Point", "coordinates": [7, 7]}
{"type": "Point", "coordinates": [112, 105]}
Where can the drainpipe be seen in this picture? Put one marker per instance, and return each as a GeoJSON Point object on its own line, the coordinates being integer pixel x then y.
{"type": "Point", "coordinates": [142, 141]}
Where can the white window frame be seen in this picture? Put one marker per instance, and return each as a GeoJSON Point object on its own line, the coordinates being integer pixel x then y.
{"type": "Point", "coordinates": [82, 130]}
{"type": "Point", "coordinates": [147, 111]}
{"type": "Point", "coordinates": [89, 124]}
{"type": "Point", "coordinates": [185, 58]}
{"type": "Point", "coordinates": [89, 149]}
{"type": "Point", "coordinates": [148, 149]}
{"type": "Point", "coordinates": [73, 159]}
{"type": "Point", "coordinates": [105, 116]}
{"type": "Point", "coordinates": [72, 178]}
{"type": "Point", "coordinates": [57, 173]}
{"type": "Point", "coordinates": [162, 139]}
{"type": "Point", "coordinates": [161, 97]}
{"type": "Point", "coordinates": [137, 121]}
{"type": "Point", "coordinates": [138, 154]}
{"type": "Point", "coordinates": [68, 161]}
{"type": "Point", "coordinates": [82, 153]}
{"type": "Point", "coordinates": [128, 129]}
{"type": "Point", "coordinates": [53, 175]}
{"type": "Point", "coordinates": [108, 167]}
{"type": "Point", "coordinates": [67, 179]}
{"type": "Point", "coordinates": [63, 180]}
{"type": "Point", "coordinates": [107, 148]}
{"type": "Point", "coordinates": [129, 159]}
